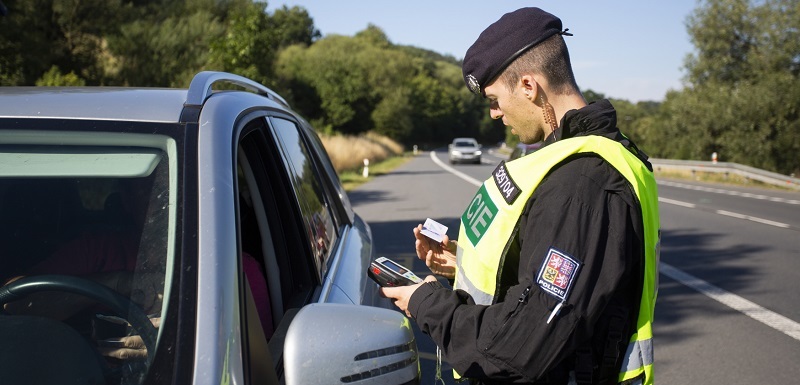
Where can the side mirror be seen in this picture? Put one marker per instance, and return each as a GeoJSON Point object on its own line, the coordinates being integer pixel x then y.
{"type": "Point", "coordinates": [335, 343]}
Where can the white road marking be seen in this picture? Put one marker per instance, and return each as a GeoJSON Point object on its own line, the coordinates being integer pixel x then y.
{"type": "Point", "coordinates": [749, 308]}
{"type": "Point", "coordinates": [677, 203]}
{"type": "Point", "coordinates": [727, 213]}
{"type": "Point", "coordinates": [453, 171]}
{"type": "Point", "coordinates": [754, 219]}
{"type": "Point", "coordinates": [729, 192]}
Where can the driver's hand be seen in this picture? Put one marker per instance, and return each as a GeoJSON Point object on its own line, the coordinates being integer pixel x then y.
{"type": "Point", "coordinates": [126, 348]}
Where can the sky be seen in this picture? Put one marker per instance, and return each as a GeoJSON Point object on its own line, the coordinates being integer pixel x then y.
{"type": "Point", "coordinates": [624, 49]}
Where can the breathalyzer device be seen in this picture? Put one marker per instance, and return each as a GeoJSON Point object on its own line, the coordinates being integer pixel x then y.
{"type": "Point", "coordinates": [386, 272]}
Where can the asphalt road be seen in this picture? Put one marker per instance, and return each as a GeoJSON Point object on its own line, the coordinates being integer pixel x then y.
{"type": "Point", "coordinates": [727, 311]}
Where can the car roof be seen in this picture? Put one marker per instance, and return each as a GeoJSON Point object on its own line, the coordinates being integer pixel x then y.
{"type": "Point", "coordinates": [127, 104]}
{"type": "Point", "coordinates": [98, 103]}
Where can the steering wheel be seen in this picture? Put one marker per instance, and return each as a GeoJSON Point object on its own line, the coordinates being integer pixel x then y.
{"type": "Point", "coordinates": [117, 303]}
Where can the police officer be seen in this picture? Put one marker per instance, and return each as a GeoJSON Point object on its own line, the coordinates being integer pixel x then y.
{"type": "Point", "coordinates": [555, 262]}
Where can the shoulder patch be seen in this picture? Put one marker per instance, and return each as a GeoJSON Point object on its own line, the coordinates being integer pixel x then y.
{"type": "Point", "coordinates": [557, 273]}
{"type": "Point", "coordinates": [508, 188]}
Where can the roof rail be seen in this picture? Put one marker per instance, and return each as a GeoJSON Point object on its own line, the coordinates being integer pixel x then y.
{"type": "Point", "coordinates": [200, 87]}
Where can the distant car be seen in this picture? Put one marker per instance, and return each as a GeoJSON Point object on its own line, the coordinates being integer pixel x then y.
{"type": "Point", "coordinates": [522, 149]}
{"type": "Point", "coordinates": [464, 150]}
{"type": "Point", "coordinates": [215, 211]}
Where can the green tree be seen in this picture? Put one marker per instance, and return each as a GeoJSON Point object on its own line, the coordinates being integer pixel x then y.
{"type": "Point", "coordinates": [741, 101]}
{"type": "Point", "coordinates": [292, 26]}
{"type": "Point", "coordinates": [164, 52]}
{"type": "Point", "coordinates": [112, 42]}
{"type": "Point", "coordinates": [343, 84]}
{"type": "Point", "coordinates": [363, 83]}
{"type": "Point", "coordinates": [348, 75]}
{"type": "Point", "coordinates": [592, 96]}
{"type": "Point", "coordinates": [54, 78]}
{"type": "Point", "coordinates": [335, 69]}
{"type": "Point", "coordinates": [38, 34]}
{"type": "Point", "coordinates": [393, 116]}
{"type": "Point", "coordinates": [244, 47]}
{"type": "Point", "coordinates": [252, 39]}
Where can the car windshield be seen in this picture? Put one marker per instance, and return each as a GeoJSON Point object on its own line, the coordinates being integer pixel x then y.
{"type": "Point", "coordinates": [465, 143]}
{"type": "Point", "coordinates": [80, 210]}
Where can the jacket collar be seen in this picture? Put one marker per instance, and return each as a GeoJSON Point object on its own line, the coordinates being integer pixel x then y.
{"type": "Point", "coordinates": [597, 118]}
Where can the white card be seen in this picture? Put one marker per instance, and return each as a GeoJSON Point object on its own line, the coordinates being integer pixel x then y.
{"type": "Point", "coordinates": [434, 230]}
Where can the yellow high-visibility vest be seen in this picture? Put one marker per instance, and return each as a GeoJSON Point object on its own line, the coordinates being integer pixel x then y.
{"type": "Point", "coordinates": [487, 228]}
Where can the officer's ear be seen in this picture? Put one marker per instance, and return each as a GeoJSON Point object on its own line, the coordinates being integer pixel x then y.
{"type": "Point", "coordinates": [529, 86]}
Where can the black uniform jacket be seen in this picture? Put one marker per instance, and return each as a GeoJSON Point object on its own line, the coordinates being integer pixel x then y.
{"type": "Point", "coordinates": [585, 209]}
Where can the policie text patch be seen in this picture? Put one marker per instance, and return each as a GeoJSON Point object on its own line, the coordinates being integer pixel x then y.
{"type": "Point", "coordinates": [508, 189]}
{"type": "Point", "coordinates": [558, 273]}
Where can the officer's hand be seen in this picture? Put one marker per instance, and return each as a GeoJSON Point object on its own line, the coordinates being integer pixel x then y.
{"type": "Point", "coordinates": [439, 257]}
{"type": "Point", "coordinates": [400, 295]}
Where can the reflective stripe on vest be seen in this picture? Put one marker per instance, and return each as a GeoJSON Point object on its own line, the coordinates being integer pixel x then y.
{"type": "Point", "coordinates": [490, 220]}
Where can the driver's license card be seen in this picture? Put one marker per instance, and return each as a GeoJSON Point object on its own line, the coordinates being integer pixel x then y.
{"type": "Point", "coordinates": [434, 230]}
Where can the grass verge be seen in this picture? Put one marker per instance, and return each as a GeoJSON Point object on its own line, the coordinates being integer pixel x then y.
{"type": "Point", "coordinates": [351, 179]}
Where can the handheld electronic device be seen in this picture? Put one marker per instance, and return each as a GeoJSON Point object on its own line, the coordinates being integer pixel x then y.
{"type": "Point", "coordinates": [386, 272]}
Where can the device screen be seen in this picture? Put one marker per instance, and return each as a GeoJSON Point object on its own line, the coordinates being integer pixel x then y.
{"type": "Point", "coordinates": [395, 267]}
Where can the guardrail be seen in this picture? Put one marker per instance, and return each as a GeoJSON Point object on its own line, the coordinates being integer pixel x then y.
{"type": "Point", "coordinates": [728, 169]}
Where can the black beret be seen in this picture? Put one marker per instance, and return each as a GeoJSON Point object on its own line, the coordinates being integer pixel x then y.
{"type": "Point", "coordinates": [502, 42]}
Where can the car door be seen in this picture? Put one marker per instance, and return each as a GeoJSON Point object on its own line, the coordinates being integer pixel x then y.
{"type": "Point", "coordinates": [276, 238]}
{"type": "Point", "coordinates": [286, 224]}
{"type": "Point", "coordinates": [255, 264]}
{"type": "Point", "coordinates": [276, 271]}
{"type": "Point", "coordinates": [287, 193]}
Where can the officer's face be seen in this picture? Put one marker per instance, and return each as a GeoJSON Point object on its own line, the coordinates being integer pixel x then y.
{"type": "Point", "coordinates": [516, 109]}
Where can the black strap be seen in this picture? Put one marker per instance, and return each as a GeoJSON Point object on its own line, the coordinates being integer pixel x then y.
{"type": "Point", "coordinates": [584, 364]}
{"type": "Point", "coordinates": [614, 348]}
{"type": "Point", "coordinates": [586, 372]}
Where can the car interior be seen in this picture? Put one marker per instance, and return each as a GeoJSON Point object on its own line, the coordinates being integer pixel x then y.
{"type": "Point", "coordinates": [69, 232]}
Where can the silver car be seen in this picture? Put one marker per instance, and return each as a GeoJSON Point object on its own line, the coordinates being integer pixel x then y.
{"type": "Point", "coordinates": [464, 150]}
{"type": "Point", "coordinates": [183, 236]}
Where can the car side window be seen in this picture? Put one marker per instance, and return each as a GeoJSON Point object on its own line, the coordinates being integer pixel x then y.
{"type": "Point", "coordinates": [340, 202]}
{"type": "Point", "coordinates": [311, 198]}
